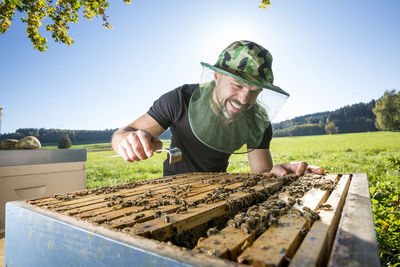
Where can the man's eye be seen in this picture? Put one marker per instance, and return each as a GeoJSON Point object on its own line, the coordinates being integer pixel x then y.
{"type": "Point", "coordinates": [237, 85]}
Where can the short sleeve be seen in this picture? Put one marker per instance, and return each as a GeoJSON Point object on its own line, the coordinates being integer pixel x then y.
{"type": "Point", "coordinates": [167, 108]}
{"type": "Point", "coordinates": [266, 138]}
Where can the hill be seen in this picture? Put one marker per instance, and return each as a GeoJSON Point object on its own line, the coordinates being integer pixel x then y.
{"type": "Point", "coordinates": [349, 119]}
{"type": "Point", "coordinates": [52, 136]}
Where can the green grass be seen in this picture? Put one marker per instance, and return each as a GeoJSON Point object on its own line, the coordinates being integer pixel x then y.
{"type": "Point", "coordinates": [376, 153]}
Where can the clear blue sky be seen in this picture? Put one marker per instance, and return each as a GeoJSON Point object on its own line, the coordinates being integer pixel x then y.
{"type": "Point", "coordinates": [327, 54]}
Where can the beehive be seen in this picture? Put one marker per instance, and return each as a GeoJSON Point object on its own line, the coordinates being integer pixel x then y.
{"type": "Point", "coordinates": [199, 219]}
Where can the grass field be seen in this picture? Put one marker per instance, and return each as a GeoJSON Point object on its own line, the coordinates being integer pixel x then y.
{"type": "Point", "coordinates": [377, 154]}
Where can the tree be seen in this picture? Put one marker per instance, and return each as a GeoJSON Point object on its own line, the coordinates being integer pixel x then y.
{"type": "Point", "coordinates": [61, 14]}
{"type": "Point", "coordinates": [331, 128]}
{"type": "Point", "coordinates": [387, 111]}
{"type": "Point", "coordinates": [64, 142]}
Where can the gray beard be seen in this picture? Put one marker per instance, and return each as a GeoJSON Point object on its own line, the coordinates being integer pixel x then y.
{"type": "Point", "coordinates": [226, 113]}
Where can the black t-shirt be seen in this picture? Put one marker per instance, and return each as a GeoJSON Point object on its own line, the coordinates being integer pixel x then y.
{"type": "Point", "coordinates": [171, 110]}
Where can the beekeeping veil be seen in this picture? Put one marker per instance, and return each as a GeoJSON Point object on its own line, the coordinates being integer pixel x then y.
{"type": "Point", "coordinates": [218, 115]}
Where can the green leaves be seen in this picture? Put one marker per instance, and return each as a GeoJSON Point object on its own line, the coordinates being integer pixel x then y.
{"type": "Point", "coordinates": [385, 206]}
{"type": "Point", "coordinates": [15, 2]}
{"type": "Point", "coordinates": [60, 15]}
{"type": "Point", "coordinates": [372, 190]}
{"type": "Point", "coordinates": [264, 4]}
{"type": "Point", "coordinates": [387, 111]}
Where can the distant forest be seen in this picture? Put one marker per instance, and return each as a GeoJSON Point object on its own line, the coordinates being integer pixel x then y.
{"type": "Point", "coordinates": [349, 119]}
{"type": "Point", "coordinates": [52, 136]}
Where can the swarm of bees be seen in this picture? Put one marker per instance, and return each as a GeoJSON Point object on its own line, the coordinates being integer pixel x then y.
{"type": "Point", "coordinates": [266, 214]}
{"type": "Point", "coordinates": [253, 213]}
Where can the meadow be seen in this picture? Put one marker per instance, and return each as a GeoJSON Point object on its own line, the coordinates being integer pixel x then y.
{"type": "Point", "coordinates": [375, 153]}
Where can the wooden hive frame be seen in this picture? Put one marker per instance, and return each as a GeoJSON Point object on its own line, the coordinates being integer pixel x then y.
{"type": "Point", "coordinates": [222, 219]}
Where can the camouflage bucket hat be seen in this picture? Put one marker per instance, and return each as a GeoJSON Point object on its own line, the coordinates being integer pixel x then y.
{"type": "Point", "coordinates": [247, 62]}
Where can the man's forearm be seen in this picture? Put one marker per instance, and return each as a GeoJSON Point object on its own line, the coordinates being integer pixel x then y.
{"type": "Point", "coordinates": [260, 160]}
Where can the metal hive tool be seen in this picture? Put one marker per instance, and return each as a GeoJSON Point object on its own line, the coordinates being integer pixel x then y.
{"type": "Point", "coordinates": [175, 154]}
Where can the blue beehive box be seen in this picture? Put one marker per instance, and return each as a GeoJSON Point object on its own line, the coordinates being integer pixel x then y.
{"type": "Point", "coordinates": [37, 237]}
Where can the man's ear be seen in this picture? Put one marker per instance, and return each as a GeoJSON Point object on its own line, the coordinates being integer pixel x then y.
{"type": "Point", "coordinates": [216, 76]}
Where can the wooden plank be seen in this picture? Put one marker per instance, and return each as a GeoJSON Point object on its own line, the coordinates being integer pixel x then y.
{"type": "Point", "coordinates": [355, 242]}
{"type": "Point", "coordinates": [92, 202]}
{"type": "Point", "coordinates": [140, 188]}
{"type": "Point", "coordinates": [94, 198]}
{"type": "Point", "coordinates": [279, 243]}
{"type": "Point", "coordinates": [198, 192]}
{"type": "Point", "coordinates": [108, 213]}
{"type": "Point", "coordinates": [91, 194]}
{"type": "Point", "coordinates": [230, 242]}
{"type": "Point", "coordinates": [161, 230]}
{"type": "Point", "coordinates": [314, 249]}
{"type": "Point", "coordinates": [2, 250]}
{"type": "Point", "coordinates": [127, 220]}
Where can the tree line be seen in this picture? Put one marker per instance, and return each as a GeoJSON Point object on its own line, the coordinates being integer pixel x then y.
{"type": "Point", "coordinates": [50, 136]}
{"type": "Point", "coordinates": [381, 114]}
{"type": "Point", "coordinates": [53, 136]}
{"type": "Point", "coordinates": [349, 119]}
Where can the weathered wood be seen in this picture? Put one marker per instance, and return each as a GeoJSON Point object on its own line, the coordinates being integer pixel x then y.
{"type": "Point", "coordinates": [178, 223]}
{"type": "Point", "coordinates": [314, 249]}
{"type": "Point", "coordinates": [355, 242]}
{"type": "Point", "coordinates": [131, 194]}
{"type": "Point", "coordinates": [279, 243]}
{"type": "Point", "coordinates": [141, 187]}
{"type": "Point", "coordinates": [230, 242]}
{"type": "Point", "coordinates": [199, 191]}
{"type": "Point", "coordinates": [195, 209]}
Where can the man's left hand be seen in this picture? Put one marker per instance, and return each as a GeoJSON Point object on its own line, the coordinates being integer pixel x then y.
{"type": "Point", "coordinates": [298, 168]}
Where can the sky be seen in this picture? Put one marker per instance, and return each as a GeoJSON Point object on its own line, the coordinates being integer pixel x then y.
{"type": "Point", "coordinates": [326, 55]}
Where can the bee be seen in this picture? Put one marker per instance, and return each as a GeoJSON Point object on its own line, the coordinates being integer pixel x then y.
{"type": "Point", "coordinates": [157, 214]}
{"type": "Point", "coordinates": [324, 206]}
{"type": "Point", "coordinates": [307, 209]}
{"type": "Point", "coordinates": [251, 222]}
{"type": "Point", "coordinates": [148, 194]}
{"type": "Point", "coordinates": [274, 221]}
{"type": "Point", "coordinates": [282, 211]}
{"type": "Point", "coordinates": [303, 231]}
{"type": "Point", "coordinates": [232, 223]}
{"type": "Point", "coordinates": [252, 208]}
{"type": "Point", "coordinates": [311, 215]}
{"type": "Point", "coordinates": [137, 217]}
{"type": "Point", "coordinates": [212, 231]}
{"type": "Point", "coordinates": [182, 209]}
{"type": "Point", "coordinates": [296, 212]}
{"type": "Point", "coordinates": [167, 219]}
{"type": "Point", "coordinates": [245, 228]}
{"type": "Point", "coordinates": [291, 201]}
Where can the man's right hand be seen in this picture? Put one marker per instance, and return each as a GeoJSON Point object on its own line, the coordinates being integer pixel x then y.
{"type": "Point", "coordinates": [138, 145]}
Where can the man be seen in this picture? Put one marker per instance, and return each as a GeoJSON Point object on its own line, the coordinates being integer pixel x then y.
{"type": "Point", "coordinates": [211, 120]}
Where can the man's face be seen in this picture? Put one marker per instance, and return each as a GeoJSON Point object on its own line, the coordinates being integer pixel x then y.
{"type": "Point", "coordinates": [233, 96]}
